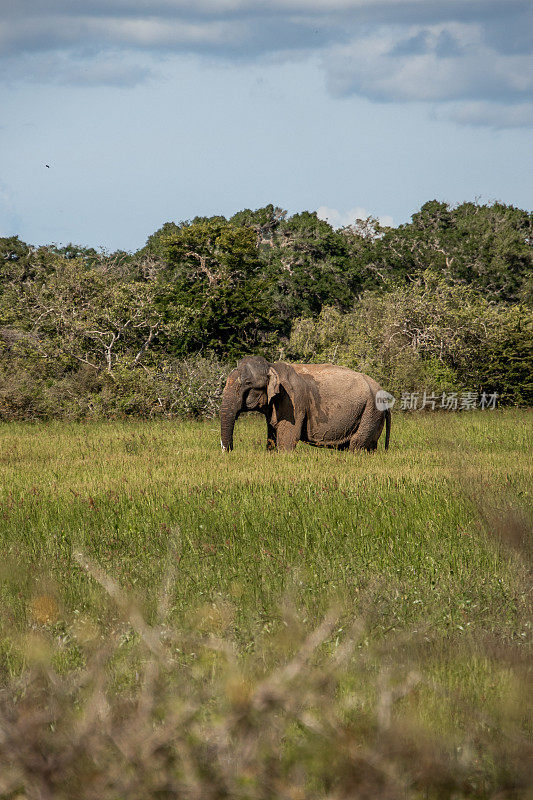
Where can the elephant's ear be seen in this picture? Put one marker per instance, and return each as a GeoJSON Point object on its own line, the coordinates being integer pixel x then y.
{"type": "Point", "coordinates": [282, 375]}
{"type": "Point", "coordinates": [273, 384]}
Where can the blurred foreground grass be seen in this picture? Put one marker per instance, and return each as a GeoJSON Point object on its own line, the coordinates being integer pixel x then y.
{"type": "Point", "coordinates": [418, 559]}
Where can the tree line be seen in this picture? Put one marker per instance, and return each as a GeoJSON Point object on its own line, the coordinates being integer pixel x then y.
{"type": "Point", "coordinates": [442, 303]}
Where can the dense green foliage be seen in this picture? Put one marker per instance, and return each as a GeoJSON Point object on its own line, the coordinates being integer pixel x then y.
{"type": "Point", "coordinates": [486, 246]}
{"type": "Point", "coordinates": [441, 303]}
{"type": "Point", "coordinates": [212, 278]}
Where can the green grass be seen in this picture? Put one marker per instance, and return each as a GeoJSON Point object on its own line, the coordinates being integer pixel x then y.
{"type": "Point", "coordinates": [401, 521]}
{"type": "Point", "coordinates": [412, 542]}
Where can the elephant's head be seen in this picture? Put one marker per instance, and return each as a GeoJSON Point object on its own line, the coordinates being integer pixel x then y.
{"type": "Point", "coordinates": [245, 390]}
{"type": "Point", "coordinates": [250, 387]}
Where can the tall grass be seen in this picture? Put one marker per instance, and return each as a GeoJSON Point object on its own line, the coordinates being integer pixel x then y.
{"type": "Point", "coordinates": [411, 566]}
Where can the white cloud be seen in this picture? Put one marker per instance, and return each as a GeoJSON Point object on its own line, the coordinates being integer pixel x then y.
{"type": "Point", "coordinates": [438, 63]}
{"type": "Point", "coordinates": [431, 51]}
{"type": "Point", "coordinates": [340, 219]}
{"type": "Point", "coordinates": [52, 32]}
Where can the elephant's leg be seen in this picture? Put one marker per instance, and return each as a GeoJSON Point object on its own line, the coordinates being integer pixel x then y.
{"type": "Point", "coordinates": [288, 434]}
{"type": "Point", "coordinates": [272, 437]}
{"type": "Point", "coordinates": [368, 432]}
{"type": "Point", "coordinates": [358, 443]}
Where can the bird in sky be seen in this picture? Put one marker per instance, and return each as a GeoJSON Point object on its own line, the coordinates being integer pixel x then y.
{"type": "Point", "coordinates": [47, 166]}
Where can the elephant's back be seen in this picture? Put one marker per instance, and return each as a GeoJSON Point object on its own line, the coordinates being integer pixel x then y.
{"type": "Point", "coordinates": [339, 378]}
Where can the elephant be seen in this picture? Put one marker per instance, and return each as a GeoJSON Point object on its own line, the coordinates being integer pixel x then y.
{"type": "Point", "coordinates": [321, 404]}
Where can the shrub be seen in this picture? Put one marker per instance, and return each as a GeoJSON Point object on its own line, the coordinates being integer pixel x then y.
{"type": "Point", "coordinates": [172, 389]}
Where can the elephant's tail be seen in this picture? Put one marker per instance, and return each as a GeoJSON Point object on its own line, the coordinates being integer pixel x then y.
{"type": "Point", "coordinates": [387, 428]}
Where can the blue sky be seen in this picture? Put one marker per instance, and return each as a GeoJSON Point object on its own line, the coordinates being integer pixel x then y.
{"type": "Point", "coordinates": [153, 111]}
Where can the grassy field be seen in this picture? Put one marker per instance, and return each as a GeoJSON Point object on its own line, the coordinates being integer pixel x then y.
{"type": "Point", "coordinates": [418, 560]}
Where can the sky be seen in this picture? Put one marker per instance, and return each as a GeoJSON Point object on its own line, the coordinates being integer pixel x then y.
{"type": "Point", "coordinates": [147, 111]}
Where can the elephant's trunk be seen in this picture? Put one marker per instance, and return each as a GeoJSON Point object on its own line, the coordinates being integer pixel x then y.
{"type": "Point", "coordinates": [229, 410]}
